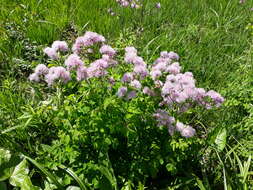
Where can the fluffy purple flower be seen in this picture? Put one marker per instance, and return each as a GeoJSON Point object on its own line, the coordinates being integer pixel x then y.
{"type": "Point", "coordinates": [89, 39]}
{"type": "Point", "coordinates": [79, 43]}
{"type": "Point", "coordinates": [174, 68]}
{"type": "Point", "coordinates": [161, 66]}
{"type": "Point", "coordinates": [163, 118]}
{"type": "Point", "coordinates": [127, 77]}
{"type": "Point", "coordinates": [81, 73]}
{"type": "Point", "coordinates": [57, 73]}
{"type": "Point", "coordinates": [132, 3]}
{"type": "Point", "coordinates": [141, 71]}
{"type": "Point", "coordinates": [199, 95]}
{"type": "Point", "coordinates": [185, 130]}
{"type": "Point", "coordinates": [131, 49]}
{"type": "Point", "coordinates": [180, 87]}
{"type": "Point", "coordinates": [155, 74]}
{"type": "Point", "coordinates": [111, 80]}
{"type": "Point", "coordinates": [179, 126]}
{"type": "Point", "coordinates": [108, 50]}
{"type": "Point", "coordinates": [131, 95]}
{"type": "Point", "coordinates": [173, 55]}
{"type": "Point", "coordinates": [138, 61]}
{"type": "Point", "coordinates": [60, 45]}
{"type": "Point", "coordinates": [73, 62]}
{"type": "Point", "coordinates": [216, 97]}
{"type": "Point", "coordinates": [124, 3]}
{"type": "Point", "coordinates": [148, 91]}
{"type": "Point", "coordinates": [106, 57]}
{"type": "Point", "coordinates": [41, 69]}
{"type": "Point", "coordinates": [130, 57]}
{"type": "Point", "coordinates": [122, 91]}
{"type": "Point", "coordinates": [164, 54]}
{"type": "Point", "coordinates": [34, 77]}
{"type": "Point", "coordinates": [51, 52]}
{"type": "Point", "coordinates": [188, 132]}
{"type": "Point", "coordinates": [136, 84]}
{"type": "Point", "coordinates": [97, 68]}
{"type": "Point", "coordinates": [94, 37]}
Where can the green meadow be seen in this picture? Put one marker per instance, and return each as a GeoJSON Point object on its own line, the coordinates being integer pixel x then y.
{"type": "Point", "coordinates": [65, 137]}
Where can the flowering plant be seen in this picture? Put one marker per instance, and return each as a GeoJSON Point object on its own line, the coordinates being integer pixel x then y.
{"type": "Point", "coordinates": [120, 111]}
{"type": "Point", "coordinates": [171, 91]}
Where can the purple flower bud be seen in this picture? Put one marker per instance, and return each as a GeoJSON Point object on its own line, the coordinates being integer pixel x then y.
{"type": "Point", "coordinates": [127, 77]}
{"type": "Point", "coordinates": [122, 91]}
{"type": "Point", "coordinates": [158, 5]}
{"type": "Point", "coordinates": [131, 95]}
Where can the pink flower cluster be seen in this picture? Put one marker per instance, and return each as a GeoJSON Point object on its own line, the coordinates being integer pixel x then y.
{"type": "Point", "coordinates": [50, 75]}
{"type": "Point", "coordinates": [57, 73]}
{"type": "Point", "coordinates": [163, 119]}
{"type": "Point", "coordinates": [129, 3]}
{"type": "Point", "coordinates": [132, 79]}
{"type": "Point", "coordinates": [171, 89]}
{"type": "Point", "coordinates": [87, 40]}
{"type": "Point", "coordinates": [52, 51]}
{"type": "Point", "coordinates": [40, 70]}
{"type": "Point", "coordinates": [140, 67]}
{"type": "Point", "coordinates": [75, 63]}
{"type": "Point", "coordinates": [176, 89]}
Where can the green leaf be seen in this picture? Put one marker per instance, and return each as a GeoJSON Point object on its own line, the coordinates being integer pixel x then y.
{"type": "Point", "coordinates": [49, 186]}
{"type": "Point", "coordinates": [20, 178]}
{"type": "Point", "coordinates": [46, 173]}
{"type": "Point", "coordinates": [7, 164]}
{"type": "Point", "coordinates": [72, 174]}
{"type": "Point", "coordinates": [109, 101]}
{"type": "Point", "coordinates": [106, 172]}
{"type": "Point", "coordinates": [128, 186]}
{"type": "Point", "coordinates": [170, 167]}
{"type": "Point", "coordinates": [200, 184]}
{"type": "Point", "coordinates": [221, 139]}
{"type": "Point", "coordinates": [246, 169]}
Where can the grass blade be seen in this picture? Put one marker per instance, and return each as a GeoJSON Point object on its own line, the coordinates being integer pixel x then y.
{"type": "Point", "coordinates": [46, 173]}
{"type": "Point", "coordinates": [74, 176]}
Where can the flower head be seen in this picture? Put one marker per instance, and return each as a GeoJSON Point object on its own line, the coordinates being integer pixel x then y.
{"type": "Point", "coordinates": [73, 62]}
{"type": "Point", "coordinates": [60, 45]}
{"type": "Point", "coordinates": [41, 69]}
{"type": "Point", "coordinates": [108, 50]}
{"type": "Point", "coordinates": [122, 91]}
{"type": "Point", "coordinates": [34, 77]}
{"type": "Point", "coordinates": [136, 84]}
{"type": "Point", "coordinates": [51, 52]}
